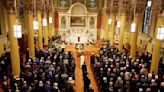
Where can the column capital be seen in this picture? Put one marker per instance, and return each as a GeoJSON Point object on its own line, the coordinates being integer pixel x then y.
{"type": "Point", "coordinates": [39, 6]}
{"type": "Point", "coordinates": [158, 5]}
{"type": "Point", "coordinates": [28, 5]}
{"type": "Point", "coordinates": [114, 6]}
{"type": "Point", "coordinates": [9, 6]}
{"type": "Point", "coordinates": [28, 8]}
{"type": "Point", "coordinates": [124, 7]}
{"type": "Point", "coordinates": [124, 11]}
{"type": "Point", "coordinates": [139, 11]}
{"type": "Point", "coordinates": [114, 10]}
{"type": "Point", "coordinates": [160, 14]}
{"type": "Point", "coordinates": [138, 6]}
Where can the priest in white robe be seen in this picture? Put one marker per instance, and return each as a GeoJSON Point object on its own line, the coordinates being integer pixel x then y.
{"type": "Point", "coordinates": [82, 60]}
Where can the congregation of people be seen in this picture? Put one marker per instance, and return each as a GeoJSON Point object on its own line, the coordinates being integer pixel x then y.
{"type": "Point", "coordinates": [51, 71]}
{"type": "Point", "coordinates": [116, 71]}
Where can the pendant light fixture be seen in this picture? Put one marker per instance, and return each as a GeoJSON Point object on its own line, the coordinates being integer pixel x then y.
{"type": "Point", "coordinates": [110, 20]}
{"type": "Point", "coordinates": [44, 20]}
{"type": "Point", "coordinates": [118, 24]}
{"type": "Point", "coordinates": [149, 3]}
{"type": "Point", "coordinates": [35, 22]}
{"type": "Point", "coordinates": [17, 26]}
{"type": "Point", "coordinates": [50, 19]}
{"type": "Point", "coordinates": [133, 25]}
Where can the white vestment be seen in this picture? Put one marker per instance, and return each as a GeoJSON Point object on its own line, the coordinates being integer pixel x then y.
{"type": "Point", "coordinates": [82, 59]}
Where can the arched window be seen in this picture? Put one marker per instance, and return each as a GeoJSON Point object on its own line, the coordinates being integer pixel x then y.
{"type": "Point", "coordinates": [147, 17]}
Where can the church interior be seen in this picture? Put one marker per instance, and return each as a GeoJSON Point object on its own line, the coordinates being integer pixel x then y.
{"type": "Point", "coordinates": [81, 45]}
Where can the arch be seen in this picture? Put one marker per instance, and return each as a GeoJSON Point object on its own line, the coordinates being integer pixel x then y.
{"type": "Point", "coordinates": [78, 8]}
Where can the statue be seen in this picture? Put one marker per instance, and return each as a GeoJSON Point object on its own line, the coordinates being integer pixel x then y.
{"type": "Point", "coordinates": [92, 22]}
{"type": "Point", "coordinates": [63, 22]}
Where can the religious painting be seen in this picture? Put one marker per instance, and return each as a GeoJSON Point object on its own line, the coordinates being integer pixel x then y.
{"type": "Point", "coordinates": [63, 22]}
{"type": "Point", "coordinates": [92, 22]}
{"type": "Point", "coordinates": [77, 21]}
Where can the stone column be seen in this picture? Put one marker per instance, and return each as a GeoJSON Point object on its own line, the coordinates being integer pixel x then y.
{"type": "Point", "coordinates": [39, 18]}
{"type": "Point", "coordinates": [29, 16]}
{"type": "Point", "coordinates": [45, 32]}
{"type": "Point", "coordinates": [14, 48]}
{"type": "Point", "coordinates": [123, 11]}
{"type": "Point", "coordinates": [138, 12]}
{"type": "Point", "coordinates": [157, 47]}
{"type": "Point", "coordinates": [40, 42]}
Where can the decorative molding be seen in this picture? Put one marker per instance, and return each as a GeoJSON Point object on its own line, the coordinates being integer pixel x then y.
{"type": "Point", "coordinates": [3, 39]}
{"type": "Point", "coordinates": [77, 5]}
{"type": "Point", "coordinates": [28, 8]}
{"type": "Point", "coordinates": [9, 6]}
{"type": "Point", "coordinates": [124, 11]}
{"type": "Point", "coordinates": [39, 5]}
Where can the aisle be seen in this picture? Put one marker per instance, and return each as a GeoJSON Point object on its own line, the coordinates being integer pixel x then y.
{"type": "Point", "coordinates": [91, 76]}
{"type": "Point", "coordinates": [79, 84]}
{"type": "Point", "coordinates": [88, 51]}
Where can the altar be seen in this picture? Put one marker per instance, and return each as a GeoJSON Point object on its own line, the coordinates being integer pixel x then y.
{"type": "Point", "coordinates": [77, 25]}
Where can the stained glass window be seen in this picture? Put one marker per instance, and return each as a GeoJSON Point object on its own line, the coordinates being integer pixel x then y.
{"type": "Point", "coordinates": [147, 17]}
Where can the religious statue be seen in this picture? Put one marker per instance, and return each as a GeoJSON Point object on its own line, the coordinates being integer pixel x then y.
{"type": "Point", "coordinates": [92, 22]}
{"type": "Point", "coordinates": [63, 22]}
{"type": "Point", "coordinates": [63, 3]}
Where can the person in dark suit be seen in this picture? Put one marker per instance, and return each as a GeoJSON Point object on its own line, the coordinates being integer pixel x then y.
{"type": "Point", "coordinates": [84, 67]}
{"type": "Point", "coordinates": [86, 84]}
{"type": "Point", "coordinates": [92, 58]}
